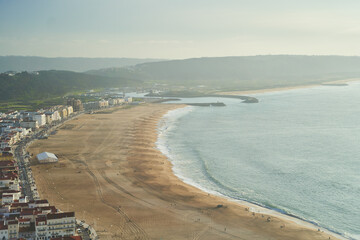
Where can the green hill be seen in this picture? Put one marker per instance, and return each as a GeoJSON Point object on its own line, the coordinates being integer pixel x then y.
{"type": "Point", "coordinates": [242, 72]}
{"type": "Point", "coordinates": [31, 89]}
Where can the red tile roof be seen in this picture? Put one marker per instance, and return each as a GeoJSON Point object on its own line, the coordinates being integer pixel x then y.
{"type": "Point", "coordinates": [40, 201]}
{"type": "Point", "coordinates": [7, 195]}
{"type": "Point", "coordinates": [60, 215]}
{"type": "Point", "coordinates": [24, 220]}
{"type": "Point", "coordinates": [10, 191]}
{"type": "Point", "coordinates": [7, 163]}
{"type": "Point", "coordinates": [13, 222]}
{"type": "Point", "coordinates": [3, 226]}
{"type": "Point", "coordinates": [52, 209]}
{"type": "Point", "coordinates": [29, 211]}
{"type": "Point", "coordinates": [67, 238]}
{"type": "Point", "coordinates": [19, 205]}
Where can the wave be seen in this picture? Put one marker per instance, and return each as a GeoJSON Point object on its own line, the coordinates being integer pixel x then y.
{"type": "Point", "coordinates": [168, 124]}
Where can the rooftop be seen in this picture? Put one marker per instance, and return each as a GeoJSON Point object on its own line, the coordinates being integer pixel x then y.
{"type": "Point", "coordinates": [60, 215]}
{"type": "Point", "coordinates": [45, 155]}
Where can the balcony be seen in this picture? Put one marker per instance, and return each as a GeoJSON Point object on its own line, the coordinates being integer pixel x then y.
{"type": "Point", "coordinates": [61, 228]}
{"type": "Point", "coordinates": [62, 223]}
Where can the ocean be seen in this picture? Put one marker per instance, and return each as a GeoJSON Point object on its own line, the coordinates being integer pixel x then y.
{"type": "Point", "coordinates": [296, 152]}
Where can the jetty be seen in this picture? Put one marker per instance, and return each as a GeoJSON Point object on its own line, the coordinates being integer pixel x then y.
{"type": "Point", "coordinates": [217, 104]}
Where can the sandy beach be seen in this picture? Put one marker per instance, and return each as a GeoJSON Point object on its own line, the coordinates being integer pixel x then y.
{"type": "Point", "coordinates": [111, 174]}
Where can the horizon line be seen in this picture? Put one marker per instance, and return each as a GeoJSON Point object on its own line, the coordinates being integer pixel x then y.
{"type": "Point", "coordinates": [169, 59]}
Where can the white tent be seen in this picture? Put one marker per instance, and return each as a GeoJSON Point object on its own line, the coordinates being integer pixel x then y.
{"type": "Point", "coordinates": [46, 157]}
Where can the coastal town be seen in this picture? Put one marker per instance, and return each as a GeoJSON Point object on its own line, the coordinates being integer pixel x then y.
{"type": "Point", "coordinates": [24, 214]}
{"type": "Point", "coordinates": [179, 120]}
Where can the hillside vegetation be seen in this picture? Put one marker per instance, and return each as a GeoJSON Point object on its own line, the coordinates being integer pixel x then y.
{"type": "Point", "coordinates": [50, 84]}
{"type": "Point", "coordinates": [242, 72]}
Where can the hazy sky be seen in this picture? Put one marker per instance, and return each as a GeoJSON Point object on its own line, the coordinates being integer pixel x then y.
{"type": "Point", "coordinates": [178, 28]}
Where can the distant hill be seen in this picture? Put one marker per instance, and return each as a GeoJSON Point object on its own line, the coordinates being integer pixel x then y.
{"type": "Point", "coordinates": [49, 84]}
{"type": "Point", "coordinates": [252, 72]}
{"type": "Point", "coordinates": [22, 63]}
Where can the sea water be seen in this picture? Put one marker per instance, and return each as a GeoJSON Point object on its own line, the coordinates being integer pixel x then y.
{"type": "Point", "coordinates": [296, 151]}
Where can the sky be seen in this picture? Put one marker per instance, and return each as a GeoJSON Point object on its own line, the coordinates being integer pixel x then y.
{"type": "Point", "coordinates": [178, 29]}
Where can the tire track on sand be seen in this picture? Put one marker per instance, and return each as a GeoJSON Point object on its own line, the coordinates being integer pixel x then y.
{"type": "Point", "coordinates": [118, 187]}
{"type": "Point", "coordinates": [135, 229]}
{"type": "Point", "coordinates": [129, 227]}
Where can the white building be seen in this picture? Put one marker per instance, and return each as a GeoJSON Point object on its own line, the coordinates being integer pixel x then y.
{"type": "Point", "coordinates": [116, 101]}
{"type": "Point", "coordinates": [46, 157]}
{"type": "Point", "coordinates": [10, 196]}
{"type": "Point", "coordinates": [10, 182]}
{"type": "Point", "coordinates": [63, 113]}
{"type": "Point", "coordinates": [4, 233]}
{"type": "Point", "coordinates": [13, 114]}
{"type": "Point", "coordinates": [55, 225]}
{"type": "Point", "coordinates": [40, 118]}
{"type": "Point", "coordinates": [13, 228]}
{"type": "Point", "coordinates": [112, 101]}
{"type": "Point", "coordinates": [103, 103]}
{"type": "Point", "coordinates": [56, 116]}
{"type": "Point", "coordinates": [70, 110]}
{"type": "Point", "coordinates": [22, 131]}
{"type": "Point", "coordinates": [52, 116]}
{"type": "Point", "coordinates": [29, 124]}
{"type": "Point", "coordinates": [129, 99]}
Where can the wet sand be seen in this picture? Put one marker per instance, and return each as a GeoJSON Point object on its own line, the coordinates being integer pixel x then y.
{"type": "Point", "coordinates": [110, 173]}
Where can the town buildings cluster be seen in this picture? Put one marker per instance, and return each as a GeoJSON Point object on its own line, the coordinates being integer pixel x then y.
{"type": "Point", "coordinates": [110, 102]}
{"type": "Point", "coordinates": [24, 218]}
{"type": "Point", "coordinates": [23, 215]}
{"type": "Point", "coordinates": [16, 125]}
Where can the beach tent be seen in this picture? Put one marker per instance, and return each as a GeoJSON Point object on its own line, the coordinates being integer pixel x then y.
{"type": "Point", "coordinates": [46, 157]}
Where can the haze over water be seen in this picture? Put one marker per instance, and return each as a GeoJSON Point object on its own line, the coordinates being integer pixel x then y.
{"type": "Point", "coordinates": [296, 151]}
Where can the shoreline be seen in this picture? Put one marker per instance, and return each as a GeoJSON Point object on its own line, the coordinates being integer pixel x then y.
{"type": "Point", "coordinates": [336, 83]}
{"type": "Point", "coordinates": [253, 206]}
{"type": "Point", "coordinates": [112, 176]}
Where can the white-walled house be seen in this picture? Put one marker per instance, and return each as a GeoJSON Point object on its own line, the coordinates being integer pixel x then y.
{"type": "Point", "coordinates": [56, 116]}
{"type": "Point", "coordinates": [70, 110]}
{"type": "Point", "coordinates": [29, 124]}
{"type": "Point", "coordinates": [128, 99]}
{"type": "Point", "coordinates": [63, 113]}
{"type": "Point", "coordinates": [103, 103]}
{"type": "Point", "coordinates": [4, 232]}
{"type": "Point", "coordinates": [40, 118]}
{"type": "Point", "coordinates": [52, 116]}
{"type": "Point", "coordinates": [39, 203]}
{"type": "Point", "coordinates": [13, 228]}
{"type": "Point", "coordinates": [21, 131]}
{"type": "Point", "coordinates": [59, 224]}
{"type": "Point", "coordinates": [10, 196]}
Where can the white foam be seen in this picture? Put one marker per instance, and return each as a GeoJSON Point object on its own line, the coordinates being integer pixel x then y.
{"type": "Point", "coordinates": [168, 123]}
